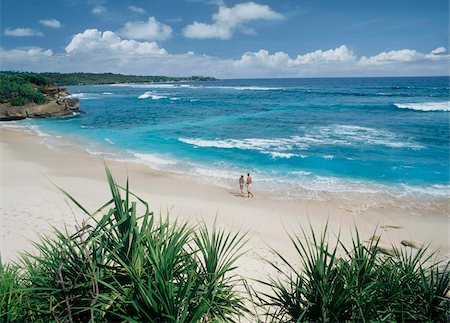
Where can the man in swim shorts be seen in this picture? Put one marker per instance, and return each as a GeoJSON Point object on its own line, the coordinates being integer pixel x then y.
{"type": "Point", "coordinates": [249, 185]}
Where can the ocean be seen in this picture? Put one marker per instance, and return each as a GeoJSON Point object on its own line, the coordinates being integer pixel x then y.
{"type": "Point", "coordinates": [299, 138]}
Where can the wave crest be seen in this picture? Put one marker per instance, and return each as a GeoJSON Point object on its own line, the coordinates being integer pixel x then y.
{"type": "Point", "coordinates": [339, 135]}
{"type": "Point", "coordinates": [425, 106]}
{"type": "Point", "coordinates": [150, 94]}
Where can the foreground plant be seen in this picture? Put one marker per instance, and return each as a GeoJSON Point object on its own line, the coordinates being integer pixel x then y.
{"type": "Point", "coordinates": [365, 284]}
{"type": "Point", "coordinates": [125, 267]}
{"type": "Point", "coordinates": [121, 266]}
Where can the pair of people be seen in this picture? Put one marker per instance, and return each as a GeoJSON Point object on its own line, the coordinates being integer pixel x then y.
{"type": "Point", "coordinates": [248, 184]}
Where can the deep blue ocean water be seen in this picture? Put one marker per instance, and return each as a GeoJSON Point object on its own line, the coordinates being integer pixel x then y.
{"type": "Point", "coordinates": [293, 135]}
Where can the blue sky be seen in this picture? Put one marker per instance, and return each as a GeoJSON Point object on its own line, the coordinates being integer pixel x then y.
{"type": "Point", "coordinates": [257, 38]}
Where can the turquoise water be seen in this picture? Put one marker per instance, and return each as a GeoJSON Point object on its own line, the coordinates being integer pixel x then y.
{"type": "Point", "coordinates": [342, 134]}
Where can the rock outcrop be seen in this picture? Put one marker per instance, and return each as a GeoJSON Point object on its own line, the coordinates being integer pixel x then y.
{"type": "Point", "coordinates": [60, 104]}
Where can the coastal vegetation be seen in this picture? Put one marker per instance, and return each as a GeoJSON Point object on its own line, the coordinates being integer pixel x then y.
{"type": "Point", "coordinates": [22, 88]}
{"type": "Point", "coordinates": [33, 95]}
{"type": "Point", "coordinates": [122, 266]}
{"type": "Point", "coordinates": [64, 79]}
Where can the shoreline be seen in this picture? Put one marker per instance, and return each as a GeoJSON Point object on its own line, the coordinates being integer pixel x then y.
{"type": "Point", "coordinates": [31, 203]}
{"type": "Point", "coordinates": [355, 195]}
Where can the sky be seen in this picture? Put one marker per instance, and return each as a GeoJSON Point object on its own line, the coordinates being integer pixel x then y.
{"type": "Point", "coordinates": [227, 38]}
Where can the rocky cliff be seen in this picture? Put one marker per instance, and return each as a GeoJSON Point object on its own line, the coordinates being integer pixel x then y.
{"type": "Point", "coordinates": [59, 104]}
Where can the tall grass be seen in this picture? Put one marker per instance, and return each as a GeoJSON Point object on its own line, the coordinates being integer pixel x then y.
{"type": "Point", "coordinates": [363, 284]}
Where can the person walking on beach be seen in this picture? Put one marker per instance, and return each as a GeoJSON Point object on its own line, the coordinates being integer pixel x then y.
{"type": "Point", "coordinates": [249, 185]}
{"type": "Point", "coordinates": [241, 184]}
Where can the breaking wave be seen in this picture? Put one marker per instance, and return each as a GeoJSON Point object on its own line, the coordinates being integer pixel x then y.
{"type": "Point", "coordinates": [339, 135]}
{"type": "Point", "coordinates": [151, 95]}
{"type": "Point", "coordinates": [425, 106]}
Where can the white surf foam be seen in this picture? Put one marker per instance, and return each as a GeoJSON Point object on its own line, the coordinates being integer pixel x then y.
{"type": "Point", "coordinates": [192, 86]}
{"type": "Point", "coordinates": [151, 85]}
{"type": "Point", "coordinates": [38, 131]}
{"type": "Point", "coordinates": [425, 106]}
{"type": "Point", "coordinates": [440, 191]}
{"type": "Point", "coordinates": [300, 173]}
{"type": "Point", "coordinates": [277, 144]}
{"type": "Point", "coordinates": [154, 160]}
{"type": "Point", "coordinates": [84, 96]}
{"type": "Point", "coordinates": [151, 95]}
{"type": "Point", "coordinates": [347, 135]}
{"type": "Point", "coordinates": [276, 154]}
{"type": "Point", "coordinates": [107, 93]}
{"type": "Point", "coordinates": [110, 141]}
{"type": "Point", "coordinates": [336, 135]}
{"type": "Point", "coordinates": [77, 95]}
{"type": "Point", "coordinates": [12, 125]}
{"type": "Point", "coordinates": [244, 88]}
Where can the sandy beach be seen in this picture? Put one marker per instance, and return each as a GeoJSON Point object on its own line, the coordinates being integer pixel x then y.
{"type": "Point", "coordinates": [30, 204]}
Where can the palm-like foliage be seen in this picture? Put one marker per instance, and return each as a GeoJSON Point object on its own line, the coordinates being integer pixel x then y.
{"type": "Point", "coordinates": [364, 284]}
{"type": "Point", "coordinates": [12, 295]}
{"type": "Point", "coordinates": [121, 266]}
{"type": "Point", "coordinates": [125, 267]}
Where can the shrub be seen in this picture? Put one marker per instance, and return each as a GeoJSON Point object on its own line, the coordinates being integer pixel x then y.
{"type": "Point", "coordinates": [119, 266]}
{"type": "Point", "coordinates": [365, 284]}
{"type": "Point", "coordinates": [17, 89]}
{"type": "Point", "coordinates": [125, 267]}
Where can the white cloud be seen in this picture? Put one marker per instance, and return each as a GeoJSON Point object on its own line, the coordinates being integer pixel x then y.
{"type": "Point", "coordinates": [51, 23]}
{"type": "Point", "coordinates": [343, 62]}
{"type": "Point", "coordinates": [97, 51]}
{"type": "Point", "coordinates": [438, 51]}
{"type": "Point", "coordinates": [99, 10]}
{"type": "Point", "coordinates": [137, 9]}
{"type": "Point", "coordinates": [263, 58]}
{"type": "Point", "coordinates": [93, 41]}
{"type": "Point", "coordinates": [146, 30]}
{"type": "Point", "coordinates": [227, 20]}
{"type": "Point", "coordinates": [403, 55]}
{"type": "Point", "coordinates": [282, 60]}
{"type": "Point", "coordinates": [340, 54]}
{"type": "Point", "coordinates": [33, 53]}
{"type": "Point", "coordinates": [22, 32]}
{"type": "Point", "coordinates": [30, 59]}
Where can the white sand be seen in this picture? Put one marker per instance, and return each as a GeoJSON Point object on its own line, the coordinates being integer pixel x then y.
{"type": "Point", "coordinates": [30, 204]}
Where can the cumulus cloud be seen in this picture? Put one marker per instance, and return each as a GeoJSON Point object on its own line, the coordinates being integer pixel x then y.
{"type": "Point", "coordinates": [438, 51]}
{"type": "Point", "coordinates": [34, 53]}
{"type": "Point", "coordinates": [146, 30]}
{"type": "Point", "coordinates": [99, 10]}
{"type": "Point", "coordinates": [227, 20]}
{"type": "Point", "coordinates": [281, 59]}
{"type": "Point", "coordinates": [51, 23]}
{"type": "Point", "coordinates": [29, 59]}
{"type": "Point", "coordinates": [96, 42]}
{"type": "Point", "coordinates": [137, 9]}
{"type": "Point", "coordinates": [404, 55]}
{"type": "Point", "coordinates": [105, 51]}
{"type": "Point", "coordinates": [342, 61]}
{"type": "Point", "coordinates": [22, 32]}
{"type": "Point", "coordinates": [340, 54]}
{"type": "Point", "coordinates": [263, 58]}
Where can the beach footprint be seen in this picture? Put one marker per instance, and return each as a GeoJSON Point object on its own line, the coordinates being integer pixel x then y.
{"type": "Point", "coordinates": [387, 227]}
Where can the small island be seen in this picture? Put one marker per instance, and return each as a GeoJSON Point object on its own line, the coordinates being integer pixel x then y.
{"type": "Point", "coordinates": [40, 95]}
